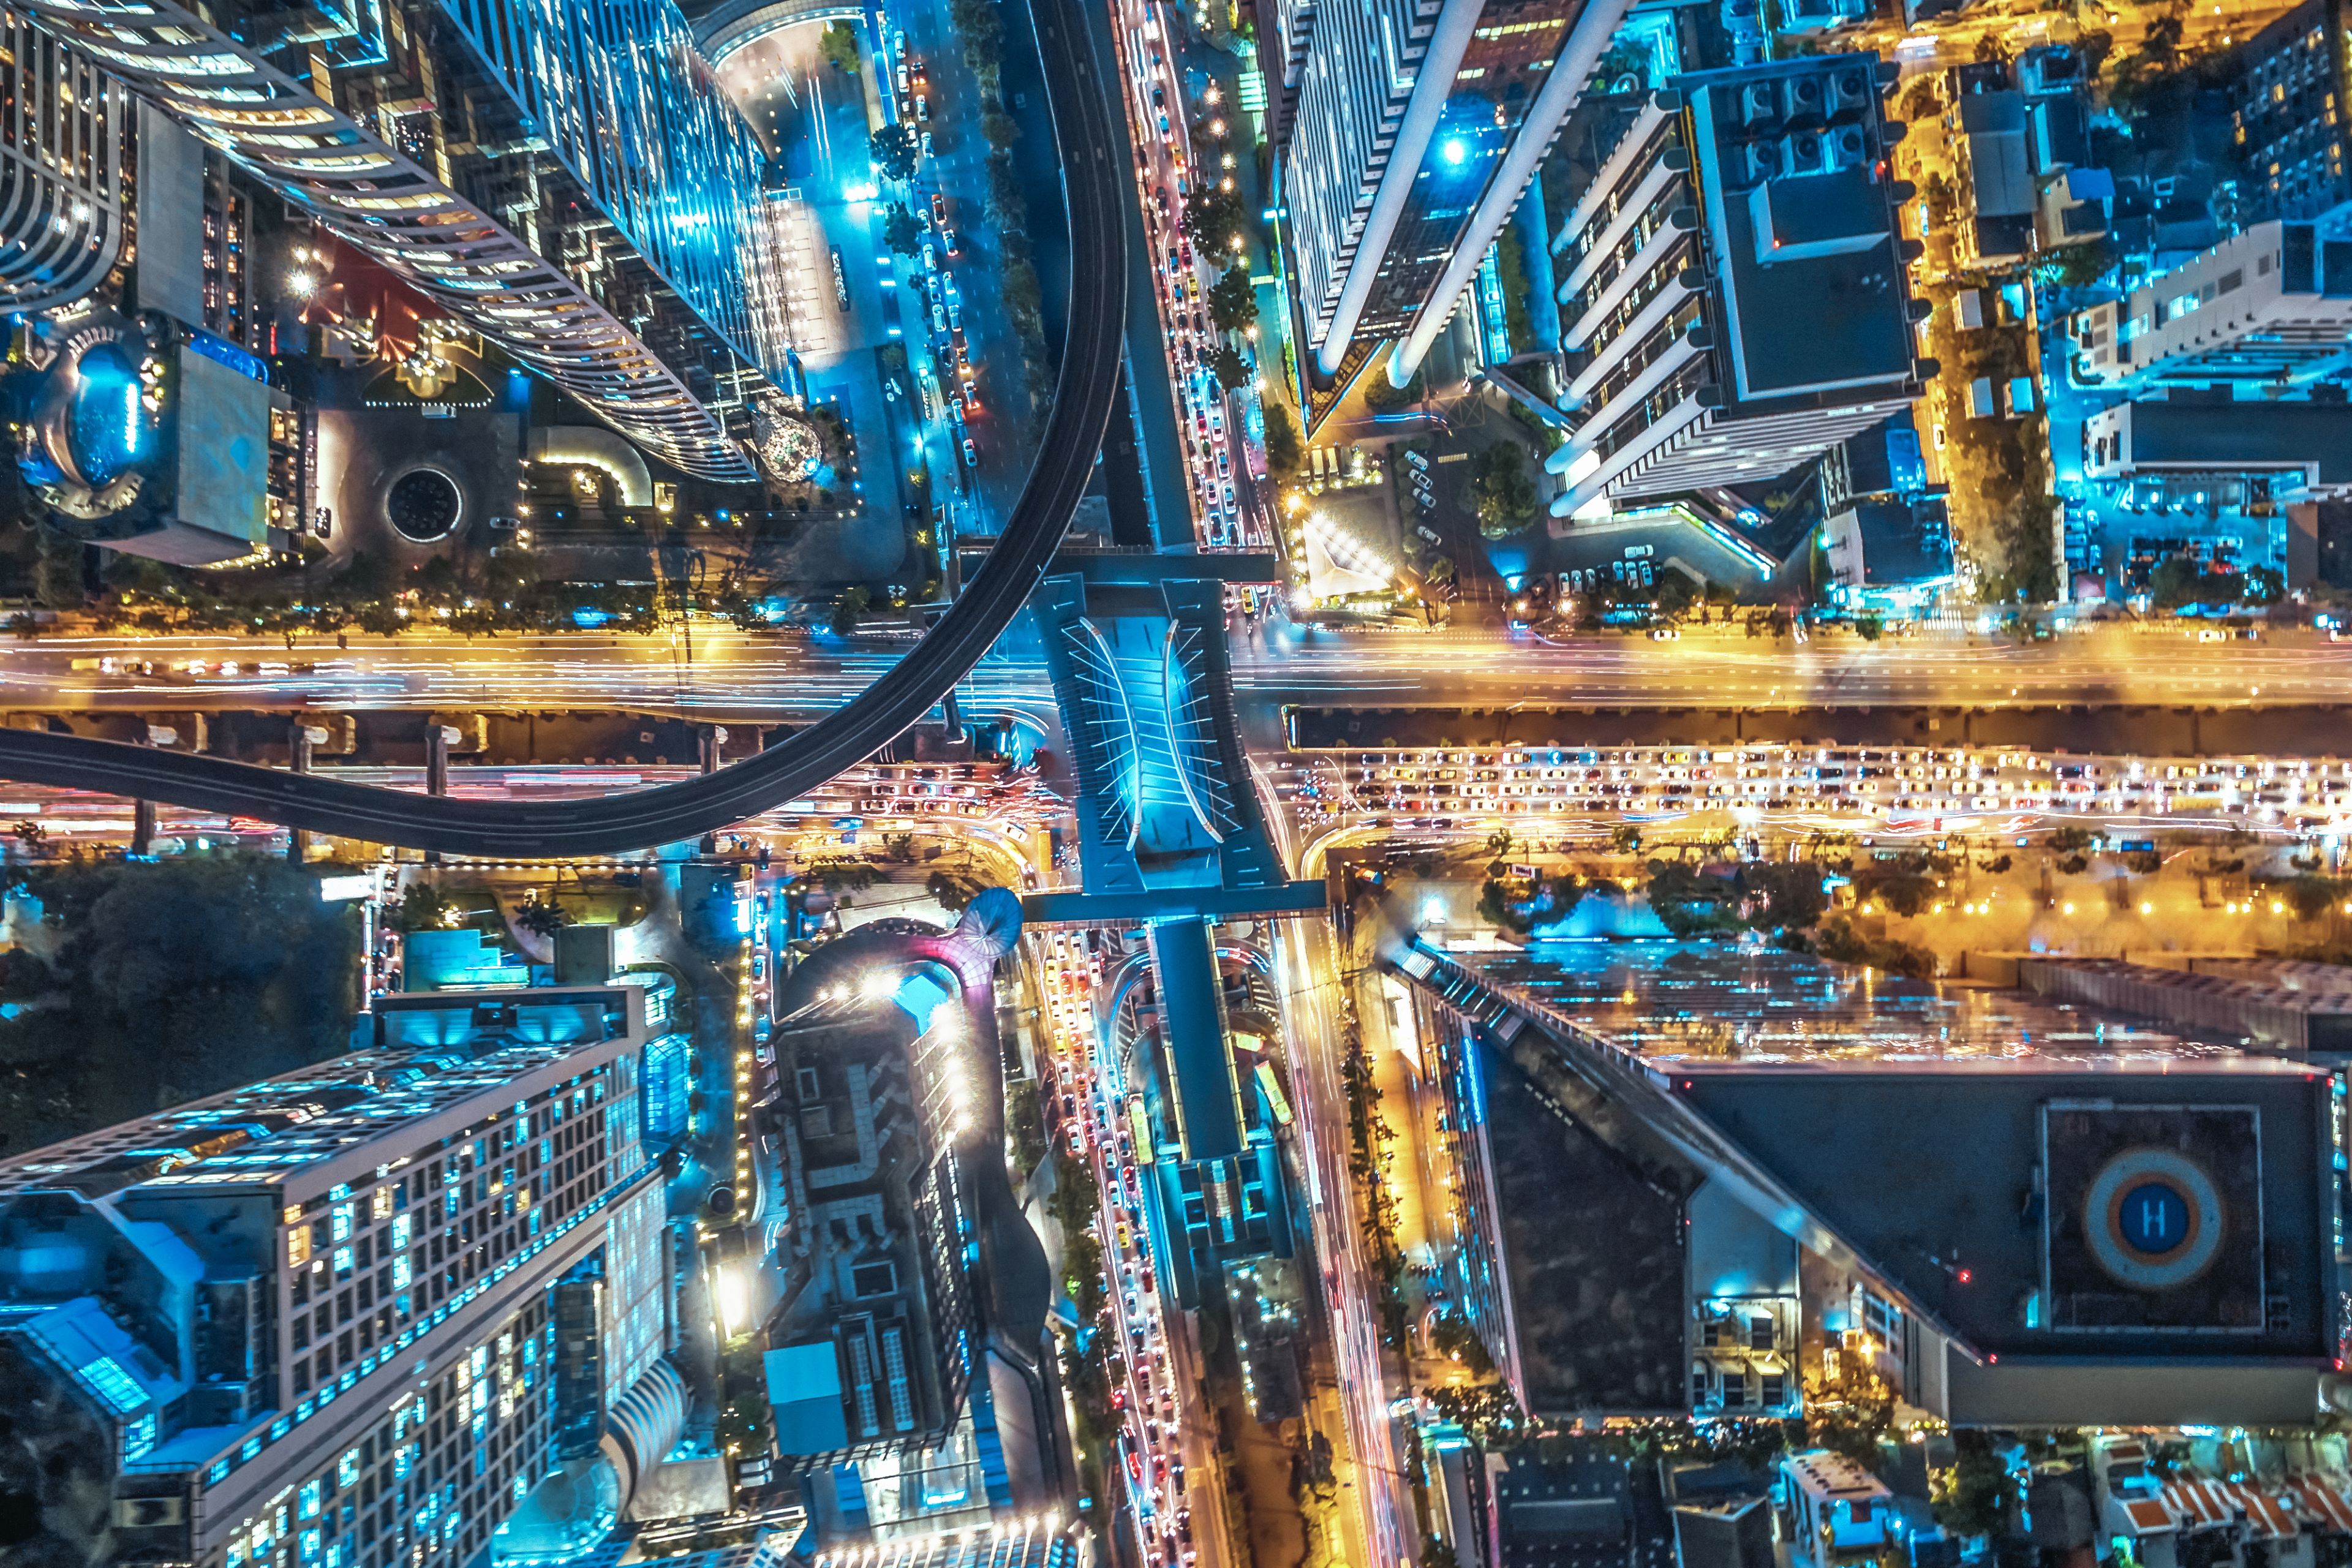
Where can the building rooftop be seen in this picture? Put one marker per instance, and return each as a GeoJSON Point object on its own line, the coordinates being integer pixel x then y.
{"type": "Point", "coordinates": [2233, 436]}
{"type": "Point", "coordinates": [1954, 1142]}
{"type": "Point", "coordinates": [430, 1055]}
{"type": "Point", "coordinates": [1801, 226]}
{"type": "Point", "coordinates": [1692, 1007]}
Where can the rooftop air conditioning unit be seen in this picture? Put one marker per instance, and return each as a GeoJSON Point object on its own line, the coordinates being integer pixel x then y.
{"type": "Point", "coordinates": [1756, 104]}
{"type": "Point", "coordinates": [1802, 154]}
{"type": "Point", "coordinates": [1851, 90]}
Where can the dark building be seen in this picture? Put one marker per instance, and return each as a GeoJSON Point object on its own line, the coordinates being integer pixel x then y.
{"type": "Point", "coordinates": [1796, 1168]}
{"type": "Point", "coordinates": [2288, 106]}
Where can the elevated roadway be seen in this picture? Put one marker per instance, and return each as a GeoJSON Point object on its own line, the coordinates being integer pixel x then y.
{"type": "Point", "coordinates": [1079, 91]}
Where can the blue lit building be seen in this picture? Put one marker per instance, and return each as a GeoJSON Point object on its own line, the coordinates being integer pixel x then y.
{"type": "Point", "coordinates": [567, 180]}
{"type": "Point", "coordinates": [315, 1322]}
{"type": "Point", "coordinates": [1418, 129]}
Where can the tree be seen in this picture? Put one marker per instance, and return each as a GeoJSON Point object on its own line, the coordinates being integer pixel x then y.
{"type": "Point", "coordinates": [896, 150]}
{"type": "Point", "coordinates": [57, 571]}
{"type": "Point", "coordinates": [1213, 216]}
{"type": "Point", "coordinates": [1232, 371]}
{"type": "Point", "coordinates": [900, 231]}
{"type": "Point", "coordinates": [1500, 491]}
{"type": "Point", "coordinates": [1233, 299]}
{"type": "Point", "coordinates": [839, 44]}
{"type": "Point", "coordinates": [2075, 266]}
{"type": "Point", "coordinates": [1284, 451]}
{"type": "Point", "coordinates": [421, 907]}
{"type": "Point", "coordinates": [2263, 586]}
{"type": "Point", "coordinates": [30, 836]}
{"type": "Point", "coordinates": [1383, 396]}
{"type": "Point", "coordinates": [179, 978]}
{"type": "Point", "coordinates": [849, 609]}
{"type": "Point", "coordinates": [541, 919]}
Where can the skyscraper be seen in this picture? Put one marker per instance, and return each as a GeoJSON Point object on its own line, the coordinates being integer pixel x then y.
{"type": "Point", "coordinates": [61, 197]}
{"type": "Point", "coordinates": [1733, 283]}
{"type": "Point", "coordinates": [314, 1321]}
{"type": "Point", "coordinates": [1419, 125]}
{"type": "Point", "coordinates": [1792, 1176]}
{"type": "Point", "coordinates": [570, 181]}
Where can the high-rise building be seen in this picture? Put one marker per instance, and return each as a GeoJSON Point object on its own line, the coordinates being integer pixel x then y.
{"type": "Point", "coordinates": [1792, 1175]}
{"type": "Point", "coordinates": [1419, 125]}
{"type": "Point", "coordinates": [61, 187]}
{"type": "Point", "coordinates": [571, 181]}
{"type": "Point", "coordinates": [1733, 282]}
{"type": "Point", "coordinates": [315, 1322]}
{"type": "Point", "coordinates": [2289, 103]}
{"type": "Point", "coordinates": [2270, 305]}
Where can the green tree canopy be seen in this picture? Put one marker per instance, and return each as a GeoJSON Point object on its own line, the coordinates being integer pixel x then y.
{"type": "Point", "coordinates": [897, 149]}
{"type": "Point", "coordinates": [1233, 299]}
{"type": "Point", "coordinates": [900, 231]}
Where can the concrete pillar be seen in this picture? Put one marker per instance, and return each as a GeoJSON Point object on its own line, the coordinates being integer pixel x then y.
{"type": "Point", "coordinates": [297, 758]}
{"type": "Point", "coordinates": [436, 771]}
{"type": "Point", "coordinates": [710, 737]}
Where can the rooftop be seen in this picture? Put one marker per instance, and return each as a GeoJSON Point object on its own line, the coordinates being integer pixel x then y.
{"type": "Point", "coordinates": [431, 1055]}
{"type": "Point", "coordinates": [1801, 224]}
{"type": "Point", "coordinates": [2201, 433]}
{"type": "Point", "coordinates": [1690, 1007]}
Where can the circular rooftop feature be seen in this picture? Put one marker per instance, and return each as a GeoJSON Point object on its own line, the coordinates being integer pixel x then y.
{"type": "Point", "coordinates": [423, 505]}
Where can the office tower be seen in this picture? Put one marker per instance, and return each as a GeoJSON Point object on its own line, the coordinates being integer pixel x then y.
{"type": "Point", "coordinates": [1791, 1175]}
{"type": "Point", "coordinates": [2272, 305]}
{"type": "Point", "coordinates": [61, 196]}
{"type": "Point", "coordinates": [2289, 103]}
{"type": "Point", "coordinates": [571, 182]}
{"type": "Point", "coordinates": [1418, 124]}
{"type": "Point", "coordinates": [1733, 283]}
{"type": "Point", "coordinates": [314, 1321]}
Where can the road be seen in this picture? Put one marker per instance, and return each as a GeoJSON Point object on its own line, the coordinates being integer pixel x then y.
{"type": "Point", "coordinates": [728, 674]}
{"type": "Point", "coordinates": [1306, 969]}
{"type": "Point", "coordinates": [900, 698]}
{"type": "Point", "coordinates": [1167, 1437]}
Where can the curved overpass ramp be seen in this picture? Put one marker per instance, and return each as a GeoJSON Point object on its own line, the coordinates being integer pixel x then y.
{"type": "Point", "coordinates": [1080, 100]}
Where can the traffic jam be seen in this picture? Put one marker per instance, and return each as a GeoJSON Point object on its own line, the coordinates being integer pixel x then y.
{"type": "Point", "coordinates": [1166, 171]}
{"type": "Point", "coordinates": [1099, 1128]}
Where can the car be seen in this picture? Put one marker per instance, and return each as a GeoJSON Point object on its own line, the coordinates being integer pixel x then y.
{"type": "Point", "coordinates": [938, 209]}
{"type": "Point", "coordinates": [2212, 634]}
{"type": "Point", "coordinates": [926, 144]}
{"type": "Point", "coordinates": [1665, 634]}
{"type": "Point", "coordinates": [922, 107]}
{"type": "Point", "coordinates": [948, 238]}
{"type": "Point", "coordinates": [971, 454]}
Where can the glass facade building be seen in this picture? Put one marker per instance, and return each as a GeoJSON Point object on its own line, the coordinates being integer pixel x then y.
{"type": "Point", "coordinates": [61, 196]}
{"type": "Point", "coordinates": [1418, 128]}
{"type": "Point", "coordinates": [506, 165]}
